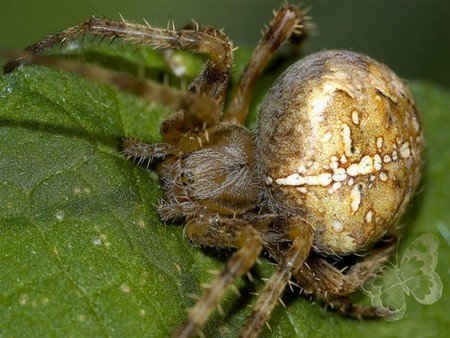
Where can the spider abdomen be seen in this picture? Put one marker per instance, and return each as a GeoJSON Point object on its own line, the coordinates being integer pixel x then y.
{"type": "Point", "coordinates": [340, 142]}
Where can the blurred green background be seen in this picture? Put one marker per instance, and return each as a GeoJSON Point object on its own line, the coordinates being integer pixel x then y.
{"type": "Point", "coordinates": [412, 36]}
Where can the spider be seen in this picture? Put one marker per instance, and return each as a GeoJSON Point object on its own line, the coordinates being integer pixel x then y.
{"type": "Point", "coordinates": [335, 159]}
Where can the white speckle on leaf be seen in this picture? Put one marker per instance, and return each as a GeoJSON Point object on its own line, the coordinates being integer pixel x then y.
{"type": "Point", "coordinates": [59, 215]}
{"type": "Point", "coordinates": [23, 299]}
{"type": "Point", "coordinates": [125, 288]}
{"type": "Point", "coordinates": [179, 69]}
{"type": "Point", "coordinates": [79, 190]}
{"type": "Point", "coordinates": [101, 240]}
{"type": "Point", "coordinates": [6, 91]}
{"type": "Point", "coordinates": [72, 45]}
{"type": "Point", "coordinates": [142, 224]}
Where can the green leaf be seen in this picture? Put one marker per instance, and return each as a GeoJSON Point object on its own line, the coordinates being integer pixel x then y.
{"type": "Point", "coordinates": [82, 250]}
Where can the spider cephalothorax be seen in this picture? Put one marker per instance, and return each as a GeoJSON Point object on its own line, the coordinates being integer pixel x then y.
{"type": "Point", "coordinates": [331, 168]}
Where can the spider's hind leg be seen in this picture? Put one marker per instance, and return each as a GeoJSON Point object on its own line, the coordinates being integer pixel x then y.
{"type": "Point", "coordinates": [327, 283]}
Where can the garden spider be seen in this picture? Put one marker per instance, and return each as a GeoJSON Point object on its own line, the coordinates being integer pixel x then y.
{"type": "Point", "coordinates": [330, 170]}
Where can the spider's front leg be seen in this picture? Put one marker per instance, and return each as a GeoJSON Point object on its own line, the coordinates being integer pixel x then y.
{"type": "Point", "coordinates": [291, 255]}
{"type": "Point", "coordinates": [236, 233]}
{"type": "Point", "coordinates": [144, 152]}
{"type": "Point", "coordinates": [288, 21]}
{"type": "Point", "coordinates": [193, 110]}
{"type": "Point", "coordinates": [212, 42]}
{"type": "Point", "coordinates": [197, 110]}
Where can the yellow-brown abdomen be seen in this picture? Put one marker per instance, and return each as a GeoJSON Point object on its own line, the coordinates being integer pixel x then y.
{"type": "Point", "coordinates": [340, 141]}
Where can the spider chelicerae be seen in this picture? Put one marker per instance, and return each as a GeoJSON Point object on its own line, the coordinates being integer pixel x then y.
{"type": "Point", "coordinates": [288, 189]}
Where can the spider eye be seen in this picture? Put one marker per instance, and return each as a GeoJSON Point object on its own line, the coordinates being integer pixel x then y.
{"type": "Point", "coordinates": [187, 178]}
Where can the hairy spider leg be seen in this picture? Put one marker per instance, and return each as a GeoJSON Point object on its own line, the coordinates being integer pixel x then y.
{"type": "Point", "coordinates": [197, 109]}
{"type": "Point", "coordinates": [332, 286]}
{"type": "Point", "coordinates": [288, 20]}
{"type": "Point", "coordinates": [292, 261]}
{"type": "Point", "coordinates": [211, 81]}
{"type": "Point", "coordinates": [144, 152]}
{"type": "Point", "coordinates": [240, 235]}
